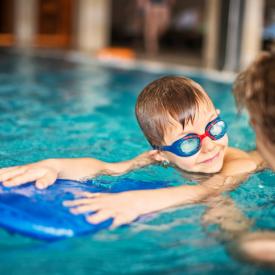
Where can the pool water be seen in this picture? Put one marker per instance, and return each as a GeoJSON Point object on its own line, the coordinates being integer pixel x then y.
{"type": "Point", "coordinates": [52, 107]}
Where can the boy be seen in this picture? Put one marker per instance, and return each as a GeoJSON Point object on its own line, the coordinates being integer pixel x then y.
{"type": "Point", "coordinates": [179, 120]}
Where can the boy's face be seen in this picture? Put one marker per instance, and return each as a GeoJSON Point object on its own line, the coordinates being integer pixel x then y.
{"type": "Point", "coordinates": [211, 155]}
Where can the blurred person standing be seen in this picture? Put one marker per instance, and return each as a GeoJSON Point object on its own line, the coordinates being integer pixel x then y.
{"type": "Point", "coordinates": [156, 18]}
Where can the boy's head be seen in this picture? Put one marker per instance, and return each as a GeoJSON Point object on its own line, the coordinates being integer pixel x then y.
{"type": "Point", "coordinates": [254, 89]}
{"type": "Point", "coordinates": [168, 111]}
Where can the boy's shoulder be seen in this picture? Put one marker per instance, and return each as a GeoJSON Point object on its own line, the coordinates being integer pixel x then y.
{"type": "Point", "coordinates": [238, 162]}
{"type": "Point", "coordinates": [235, 153]}
{"type": "Point", "coordinates": [254, 155]}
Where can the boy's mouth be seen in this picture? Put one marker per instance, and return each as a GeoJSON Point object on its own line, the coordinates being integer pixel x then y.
{"type": "Point", "coordinates": [212, 158]}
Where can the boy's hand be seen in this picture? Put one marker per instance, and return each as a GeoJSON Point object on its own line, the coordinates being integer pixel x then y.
{"type": "Point", "coordinates": [41, 172]}
{"type": "Point", "coordinates": [123, 207]}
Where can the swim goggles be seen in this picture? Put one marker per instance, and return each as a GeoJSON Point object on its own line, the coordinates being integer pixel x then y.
{"type": "Point", "coordinates": [190, 144]}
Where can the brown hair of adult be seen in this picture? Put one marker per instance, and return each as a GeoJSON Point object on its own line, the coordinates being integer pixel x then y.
{"type": "Point", "coordinates": [165, 98]}
{"type": "Point", "coordinates": [254, 89]}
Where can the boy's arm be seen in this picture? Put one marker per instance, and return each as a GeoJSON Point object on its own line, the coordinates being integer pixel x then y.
{"type": "Point", "coordinates": [85, 168]}
{"type": "Point", "coordinates": [127, 206]}
{"type": "Point", "coordinates": [45, 172]}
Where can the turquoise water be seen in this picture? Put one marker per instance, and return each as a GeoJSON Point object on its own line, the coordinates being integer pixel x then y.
{"type": "Point", "coordinates": [51, 107]}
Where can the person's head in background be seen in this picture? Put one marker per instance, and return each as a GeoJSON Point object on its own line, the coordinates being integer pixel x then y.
{"type": "Point", "coordinates": [176, 112]}
{"type": "Point", "coordinates": [254, 89]}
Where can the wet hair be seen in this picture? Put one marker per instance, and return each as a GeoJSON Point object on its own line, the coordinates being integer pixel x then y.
{"type": "Point", "coordinates": [165, 98]}
{"type": "Point", "coordinates": [254, 89]}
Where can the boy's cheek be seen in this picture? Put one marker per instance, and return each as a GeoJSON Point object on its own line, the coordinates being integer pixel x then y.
{"type": "Point", "coordinates": [222, 143]}
{"type": "Point", "coordinates": [187, 164]}
{"type": "Point", "coordinates": [224, 140]}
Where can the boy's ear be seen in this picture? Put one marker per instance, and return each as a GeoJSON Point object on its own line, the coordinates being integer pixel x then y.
{"type": "Point", "coordinates": [218, 111]}
{"type": "Point", "coordinates": [160, 157]}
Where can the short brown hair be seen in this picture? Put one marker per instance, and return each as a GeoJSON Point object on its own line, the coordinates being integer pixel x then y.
{"type": "Point", "coordinates": [254, 89]}
{"type": "Point", "coordinates": [171, 96]}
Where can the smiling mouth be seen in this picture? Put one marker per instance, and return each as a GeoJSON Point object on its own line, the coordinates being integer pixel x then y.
{"type": "Point", "coordinates": [211, 159]}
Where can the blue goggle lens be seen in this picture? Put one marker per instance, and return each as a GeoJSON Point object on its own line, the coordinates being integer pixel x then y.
{"type": "Point", "coordinates": [188, 146]}
{"type": "Point", "coordinates": [218, 130]}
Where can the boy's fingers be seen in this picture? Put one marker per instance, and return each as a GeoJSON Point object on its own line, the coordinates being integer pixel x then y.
{"type": "Point", "coordinates": [12, 173]}
{"type": "Point", "coordinates": [18, 180]}
{"type": "Point", "coordinates": [87, 194]}
{"type": "Point", "coordinates": [46, 181]}
{"type": "Point", "coordinates": [6, 169]}
{"type": "Point", "coordinates": [76, 202]}
{"type": "Point", "coordinates": [118, 221]}
{"type": "Point", "coordinates": [99, 216]}
{"type": "Point", "coordinates": [85, 208]}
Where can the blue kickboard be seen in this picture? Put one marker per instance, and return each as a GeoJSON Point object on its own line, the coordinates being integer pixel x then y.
{"type": "Point", "coordinates": [40, 214]}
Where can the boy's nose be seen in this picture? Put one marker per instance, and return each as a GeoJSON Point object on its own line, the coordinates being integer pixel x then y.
{"type": "Point", "coordinates": [207, 145]}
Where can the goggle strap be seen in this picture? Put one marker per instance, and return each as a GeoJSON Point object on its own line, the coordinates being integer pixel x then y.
{"type": "Point", "coordinates": [155, 147]}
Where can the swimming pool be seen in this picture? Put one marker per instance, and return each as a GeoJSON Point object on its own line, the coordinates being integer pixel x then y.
{"type": "Point", "coordinates": [53, 107]}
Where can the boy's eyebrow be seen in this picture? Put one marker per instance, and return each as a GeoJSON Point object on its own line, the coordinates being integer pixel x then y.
{"type": "Point", "coordinates": [211, 117]}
